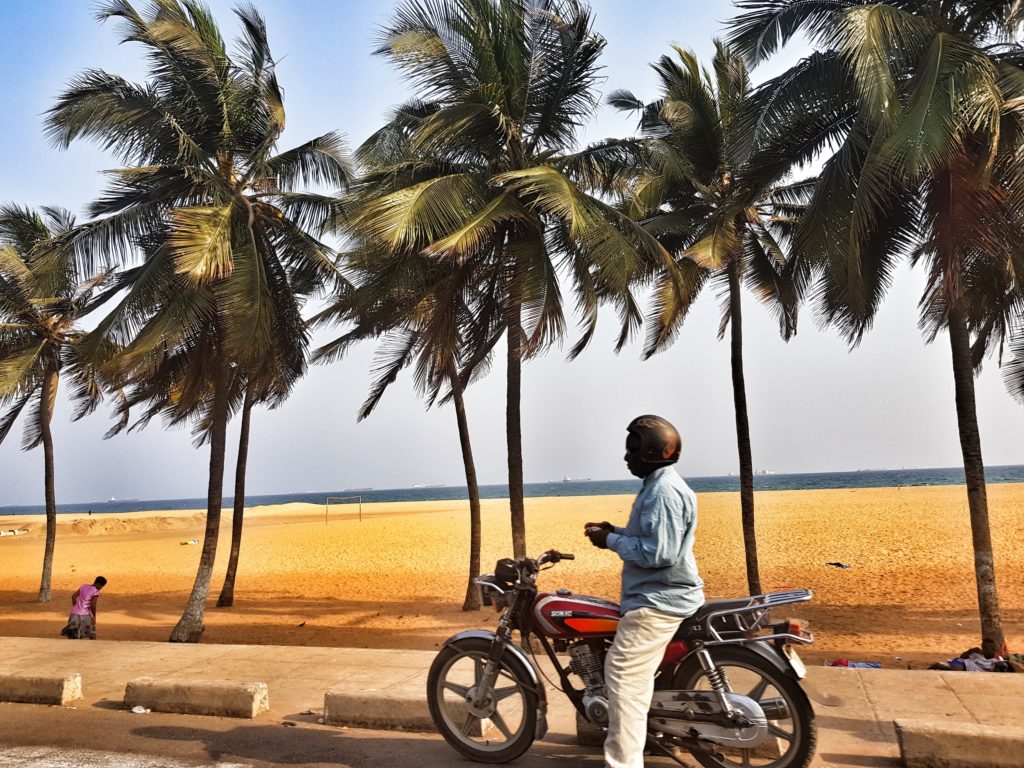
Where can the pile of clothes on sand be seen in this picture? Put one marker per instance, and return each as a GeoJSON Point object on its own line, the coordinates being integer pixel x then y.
{"type": "Point", "coordinates": [987, 658]}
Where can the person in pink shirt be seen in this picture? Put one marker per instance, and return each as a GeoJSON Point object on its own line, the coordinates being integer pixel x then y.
{"type": "Point", "coordinates": [82, 621]}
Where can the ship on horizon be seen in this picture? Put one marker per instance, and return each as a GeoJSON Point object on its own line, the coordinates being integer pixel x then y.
{"type": "Point", "coordinates": [568, 479]}
{"type": "Point", "coordinates": [428, 485]}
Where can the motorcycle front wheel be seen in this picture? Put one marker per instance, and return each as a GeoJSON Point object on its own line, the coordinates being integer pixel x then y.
{"type": "Point", "coordinates": [792, 732]}
{"type": "Point", "coordinates": [502, 727]}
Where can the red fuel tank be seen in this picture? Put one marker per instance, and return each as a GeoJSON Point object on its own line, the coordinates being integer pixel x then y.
{"type": "Point", "coordinates": [567, 615]}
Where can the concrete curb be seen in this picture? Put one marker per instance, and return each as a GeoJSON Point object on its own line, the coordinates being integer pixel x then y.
{"type": "Point", "coordinates": [41, 689]}
{"type": "Point", "coordinates": [380, 709]}
{"type": "Point", "coordinates": [926, 743]}
{"type": "Point", "coordinates": [199, 697]}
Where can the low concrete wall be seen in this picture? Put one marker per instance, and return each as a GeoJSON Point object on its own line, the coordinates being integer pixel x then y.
{"type": "Point", "coordinates": [387, 710]}
{"type": "Point", "coordinates": [40, 689]}
{"type": "Point", "coordinates": [941, 744]}
{"type": "Point", "coordinates": [199, 697]}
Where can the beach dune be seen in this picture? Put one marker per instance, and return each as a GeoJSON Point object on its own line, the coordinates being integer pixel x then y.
{"type": "Point", "coordinates": [397, 578]}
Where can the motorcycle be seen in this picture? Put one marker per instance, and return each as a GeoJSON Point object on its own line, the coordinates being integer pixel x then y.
{"type": "Point", "coordinates": [727, 690]}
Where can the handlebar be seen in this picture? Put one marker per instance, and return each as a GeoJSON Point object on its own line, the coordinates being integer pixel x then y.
{"type": "Point", "coordinates": [554, 556]}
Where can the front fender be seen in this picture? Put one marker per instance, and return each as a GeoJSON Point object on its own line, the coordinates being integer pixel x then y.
{"type": "Point", "coordinates": [523, 658]}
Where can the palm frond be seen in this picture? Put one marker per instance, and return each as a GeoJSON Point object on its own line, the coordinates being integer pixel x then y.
{"type": "Point", "coordinates": [672, 298]}
{"type": "Point", "coordinates": [564, 73]}
{"type": "Point", "coordinates": [1013, 369]}
{"type": "Point", "coordinates": [21, 370]}
{"type": "Point", "coordinates": [764, 26]}
{"type": "Point", "coordinates": [877, 41]}
{"type": "Point", "coordinates": [12, 414]}
{"type": "Point", "coordinates": [480, 230]}
{"type": "Point", "coordinates": [716, 245]}
{"type": "Point", "coordinates": [245, 303]}
{"type": "Point", "coordinates": [200, 241]}
{"type": "Point", "coordinates": [415, 216]}
{"type": "Point", "coordinates": [39, 410]}
{"type": "Point", "coordinates": [931, 132]}
{"type": "Point", "coordinates": [394, 353]}
{"type": "Point", "coordinates": [323, 160]}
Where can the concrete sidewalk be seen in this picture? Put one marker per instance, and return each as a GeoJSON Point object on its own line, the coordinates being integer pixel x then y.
{"type": "Point", "coordinates": [856, 732]}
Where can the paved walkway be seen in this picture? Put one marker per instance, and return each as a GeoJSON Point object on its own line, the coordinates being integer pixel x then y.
{"type": "Point", "coordinates": [856, 731]}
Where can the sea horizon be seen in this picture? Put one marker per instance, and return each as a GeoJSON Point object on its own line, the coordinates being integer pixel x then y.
{"type": "Point", "coordinates": [765, 481]}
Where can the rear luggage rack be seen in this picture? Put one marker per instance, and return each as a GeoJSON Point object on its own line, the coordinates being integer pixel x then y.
{"type": "Point", "coordinates": [752, 616]}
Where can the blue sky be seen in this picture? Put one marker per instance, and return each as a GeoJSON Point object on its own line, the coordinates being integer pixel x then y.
{"type": "Point", "coordinates": [814, 406]}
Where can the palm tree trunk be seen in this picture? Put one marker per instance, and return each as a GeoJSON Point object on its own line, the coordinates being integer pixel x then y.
{"type": "Point", "coordinates": [227, 592]}
{"type": "Point", "coordinates": [974, 471]}
{"type": "Point", "coordinates": [45, 414]}
{"type": "Point", "coordinates": [514, 431]}
{"type": "Point", "coordinates": [472, 601]}
{"type": "Point", "coordinates": [739, 396]}
{"type": "Point", "coordinates": [190, 626]}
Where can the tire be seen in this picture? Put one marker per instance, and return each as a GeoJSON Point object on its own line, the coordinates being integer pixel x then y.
{"type": "Point", "coordinates": [747, 671]}
{"type": "Point", "coordinates": [504, 729]}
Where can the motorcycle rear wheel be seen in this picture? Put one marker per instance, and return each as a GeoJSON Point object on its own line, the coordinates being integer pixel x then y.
{"type": "Point", "coordinates": [500, 731]}
{"type": "Point", "coordinates": [750, 674]}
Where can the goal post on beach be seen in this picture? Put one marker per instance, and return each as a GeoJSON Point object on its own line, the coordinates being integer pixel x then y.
{"type": "Point", "coordinates": [344, 499]}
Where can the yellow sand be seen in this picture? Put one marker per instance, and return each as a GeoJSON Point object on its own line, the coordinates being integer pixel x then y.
{"type": "Point", "coordinates": [397, 579]}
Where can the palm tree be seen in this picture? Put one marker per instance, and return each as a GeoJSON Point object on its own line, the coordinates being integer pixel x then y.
{"type": "Point", "coordinates": [161, 392]}
{"type": "Point", "coordinates": [270, 386]}
{"type": "Point", "coordinates": [425, 312]}
{"type": "Point", "coordinates": [491, 177]}
{"type": "Point", "coordinates": [226, 252]}
{"type": "Point", "coordinates": [916, 105]}
{"type": "Point", "coordinates": [694, 192]}
{"type": "Point", "coordinates": [41, 303]}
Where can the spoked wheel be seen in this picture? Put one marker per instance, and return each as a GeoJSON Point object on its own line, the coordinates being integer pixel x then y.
{"type": "Point", "coordinates": [497, 728]}
{"type": "Point", "coordinates": [791, 728]}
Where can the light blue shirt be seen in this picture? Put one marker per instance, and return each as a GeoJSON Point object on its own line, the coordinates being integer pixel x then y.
{"type": "Point", "coordinates": [656, 546]}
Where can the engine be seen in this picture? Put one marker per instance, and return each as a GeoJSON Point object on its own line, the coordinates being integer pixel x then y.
{"type": "Point", "coordinates": [589, 667]}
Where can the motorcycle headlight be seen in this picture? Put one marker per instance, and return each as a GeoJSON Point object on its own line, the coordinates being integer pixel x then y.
{"type": "Point", "coordinates": [505, 572]}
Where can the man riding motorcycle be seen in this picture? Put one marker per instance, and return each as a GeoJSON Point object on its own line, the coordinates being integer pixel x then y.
{"type": "Point", "coordinates": [660, 583]}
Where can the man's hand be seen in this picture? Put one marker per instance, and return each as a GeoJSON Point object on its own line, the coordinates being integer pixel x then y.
{"type": "Point", "coordinates": [598, 534]}
{"type": "Point", "coordinates": [606, 525]}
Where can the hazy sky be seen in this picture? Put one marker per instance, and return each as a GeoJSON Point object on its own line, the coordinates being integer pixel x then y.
{"type": "Point", "coordinates": [814, 406]}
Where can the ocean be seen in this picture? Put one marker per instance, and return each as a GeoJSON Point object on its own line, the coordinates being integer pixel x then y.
{"type": "Point", "coordinates": [775, 482]}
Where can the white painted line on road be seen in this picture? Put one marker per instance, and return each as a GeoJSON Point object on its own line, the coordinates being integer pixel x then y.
{"type": "Point", "coordinates": [49, 757]}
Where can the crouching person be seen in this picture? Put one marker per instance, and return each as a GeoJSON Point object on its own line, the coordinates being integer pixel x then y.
{"type": "Point", "coordinates": [82, 621]}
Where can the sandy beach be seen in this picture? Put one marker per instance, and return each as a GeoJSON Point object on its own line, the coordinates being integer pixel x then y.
{"type": "Point", "coordinates": [397, 578]}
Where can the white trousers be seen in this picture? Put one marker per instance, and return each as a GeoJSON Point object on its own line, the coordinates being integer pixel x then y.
{"type": "Point", "coordinates": [629, 668]}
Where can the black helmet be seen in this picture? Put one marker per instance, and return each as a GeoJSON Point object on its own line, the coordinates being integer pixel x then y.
{"type": "Point", "coordinates": [659, 442]}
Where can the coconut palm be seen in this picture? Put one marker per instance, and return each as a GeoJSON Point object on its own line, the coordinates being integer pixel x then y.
{"type": "Point", "coordinates": [160, 393]}
{"type": "Point", "coordinates": [491, 177]}
{"type": "Point", "coordinates": [209, 204]}
{"type": "Point", "coordinates": [425, 314]}
{"type": "Point", "coordinates": [270, 385]}
{"type": "Point", "coordinates": [694, 193]}
{"type": "Point", "coordinates": [917, 106]}
{"type": "Point", "coordinates": [41, 303]}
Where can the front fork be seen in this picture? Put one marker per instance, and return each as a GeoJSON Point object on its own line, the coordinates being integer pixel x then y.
{"type": "Point", "coordinates": [492, 667]}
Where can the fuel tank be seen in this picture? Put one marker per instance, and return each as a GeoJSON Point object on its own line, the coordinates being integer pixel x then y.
{"type": "Point", "coordinates": [565, 615]}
